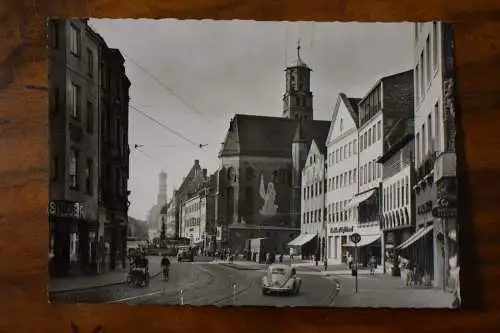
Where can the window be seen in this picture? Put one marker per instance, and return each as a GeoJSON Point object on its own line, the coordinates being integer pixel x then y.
{"type": "Point", "coordinates": [350, 177]}
{"type": "Point", "coordinates": [75, 101]}
{"type": "Point", "coordinates": [350, 149]}
{"type": "Point", "coordinates": [336, 156]}
{"type": "Point", "coordinates": [320, 187]}
{"type": "Point", "coordinates": [73, 169]}
{"type": "Point", "coordinates": [90, 63]}
{"type": "Point", "coordinates": [305, 193]}
{"type": "Point", "coordinates": [379, 130]}
{"type": "Point", "coordinates": [430, 142]}
{"type": "Point", "coordinates": [345, 151]}
{"type": "Point", "coordinates": [370, 171]}
{"type": "Point", "coordinates": [374, 137]}
{"type": "Point", "coordinates": [407, 184]}
{"type": "Point", "coordinates": [90, 116]}
{"type": "Point", "coordinates": [74, 41]}
{"type": "Point", "coordinates": [89, 165]}
{"type": "Point", "coordinates": [374, 170]}
{"type": "Point", "coordinates": [398, 202]}
{"type": "Point", "coordinates": [341, 179]}
{"type": "Point", "coordinates": [54, 168]}
{"type": "Point", "coordinates": [435, 45]}
{"type": "Point", "coordinates": [365, 143]}
{"type": "Point", "coordinates": [336, 182]}
{"type": "Point", "coordinates": [417, 84]}
{"type": "Point", "coordinates": [369, 137]}
{"type": "Point", "coordinates": [428, 56]}
{"type": "Point", "coordinates": [417, 148]}
{"type": "Point", "coordinates": [341, 152]}
{"type": "Point", "coordinates": [354, 147]}
{"type": "Point", "coordinates": [341, 125]}
{"type": "Point", "coordinates": [424, 143]}
{"type": "Point", "coordinates": [354, 176]}
{"type": "Point", "coordinates": [345, 178]}
{"type": "Point", "coordinates": [422, 81]}
{"type": "Point", "coordinates": [437, 125]}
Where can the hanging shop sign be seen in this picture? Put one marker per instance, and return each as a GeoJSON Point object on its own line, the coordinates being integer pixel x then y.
{"type": "Point", "coordinates": [341, 230]}
{"type": "Point", "coordinates": [67, 209]}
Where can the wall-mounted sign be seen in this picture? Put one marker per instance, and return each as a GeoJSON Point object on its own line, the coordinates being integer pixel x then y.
{"type": "Point", "coordinates": [67, 209]}
{"type": "Point", "coordinates": [341, 230]}
{"type": "Point", "coordinates": [424, 208]}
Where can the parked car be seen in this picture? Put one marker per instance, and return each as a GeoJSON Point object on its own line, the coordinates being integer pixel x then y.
{"type": "Point", "coordinates": [185, 254]}
{"type": "Point", "coordinates": [281, 279]}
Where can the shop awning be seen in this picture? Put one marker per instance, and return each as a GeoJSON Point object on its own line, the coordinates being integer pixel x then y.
{"type": "Point", "coordinates": [360, 198]}
{"type": "Point", "coordinates": [301, 239]}
{"type": "Point", "coordinates": [415, 237]}
{"type": "Point", "coordinates": [365, 240]}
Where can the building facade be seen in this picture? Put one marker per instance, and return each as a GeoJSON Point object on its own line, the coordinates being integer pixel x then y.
{"type": "Point", "coordinates": [387, 108]}
{"type": "Point", "coordinates": [435, 159]}
{"type": "Point", "coordinates": [86, 139]}
{"type": "Point", "coordinates": [398, 204]}
{"type": "Point", "coordinates": [312, 226]}
{"type": "Point", "coordinates": [342, 177]}
{"type": "Point", "coordinates": [193, 224]}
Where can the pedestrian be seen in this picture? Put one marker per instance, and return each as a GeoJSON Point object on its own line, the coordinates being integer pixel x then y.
{"type": "Point", "coordinates": [316, 258]}
{"type": "Point", "coordinates": [372, 264]}
{"type": "Point", "coordinates": [325, 263]}
{"type": "Point", "coordinates": [349, 260]}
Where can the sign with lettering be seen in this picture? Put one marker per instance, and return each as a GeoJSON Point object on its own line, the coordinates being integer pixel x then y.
{"type": "Point", "coordinates": [444, 212]}
{"type": "Point", "coordinates": [341, 230]}
{"type": "Point", "coordinates": [67, 209]}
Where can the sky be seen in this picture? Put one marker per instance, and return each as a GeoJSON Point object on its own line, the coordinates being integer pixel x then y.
{"type": "Point", "coordinates": [189, 78]}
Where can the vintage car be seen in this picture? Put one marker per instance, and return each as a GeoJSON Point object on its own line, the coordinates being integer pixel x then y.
{"type": "Point", "coordinates": [185, 254]}
{"type": "Point", "coordinates": [281, 279]}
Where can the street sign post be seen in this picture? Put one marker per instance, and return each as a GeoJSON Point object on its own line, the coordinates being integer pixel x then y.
{"type": "Point", "coordinates": [356, 238]}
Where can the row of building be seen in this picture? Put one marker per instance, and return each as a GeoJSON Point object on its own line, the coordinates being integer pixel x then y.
{"type": "Point", "coordinates": [388, 169]}
{"type": "Point", "coordinates": [383, 167]}
{"type": "Point", "coordinates": [89, 152]}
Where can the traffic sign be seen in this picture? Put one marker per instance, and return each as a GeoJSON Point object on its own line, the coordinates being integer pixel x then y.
{"type": "Point", "coordinates": [443, 212]}
{"type": "Point", "coordinates": [355, 238]}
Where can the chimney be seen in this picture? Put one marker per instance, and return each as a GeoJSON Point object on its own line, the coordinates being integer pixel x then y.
{"type": "Point", "coordinates": [205, 173]}
{"type": "Point", "coordinates": [196, 162]}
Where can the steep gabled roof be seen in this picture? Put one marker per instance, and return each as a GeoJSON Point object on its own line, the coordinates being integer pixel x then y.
{"type": "Point", "coordinates": [269, 136]}
{"type": "Point", "coordinates": [351, 104]}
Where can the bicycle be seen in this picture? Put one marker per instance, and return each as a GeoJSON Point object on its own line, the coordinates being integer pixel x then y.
{"type": "Point", "coordinates": [166, 273]}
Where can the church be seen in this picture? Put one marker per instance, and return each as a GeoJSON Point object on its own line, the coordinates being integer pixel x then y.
{"type": "Point", "coordinates": [261, 159]}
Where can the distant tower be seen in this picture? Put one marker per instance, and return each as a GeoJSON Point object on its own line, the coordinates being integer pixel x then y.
{"type": "Point", "coordinates": [162, 189]}
{"type": "Point", "coordinates": [299, 155]}
{"type": "Point", "coordinates": [298, 98]}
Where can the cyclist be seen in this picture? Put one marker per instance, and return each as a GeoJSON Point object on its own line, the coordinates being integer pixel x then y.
{"type": "Point", "coordinates": [165, 265]}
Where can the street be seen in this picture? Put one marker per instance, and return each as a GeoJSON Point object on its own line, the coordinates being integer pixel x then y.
{"type": "Point", "coordinates": [208, 283]}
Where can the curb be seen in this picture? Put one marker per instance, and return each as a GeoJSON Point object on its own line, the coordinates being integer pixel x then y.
{"type": "Point", "coordinates": [94, 287]}
{"type": "Point", "coordinates": [240, 268]}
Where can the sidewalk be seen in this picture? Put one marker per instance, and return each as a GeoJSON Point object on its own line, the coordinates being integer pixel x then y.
{"type": "Point", "coordinates": [107, 279]}
{"type": "Point", "coordinates": [388, 291]}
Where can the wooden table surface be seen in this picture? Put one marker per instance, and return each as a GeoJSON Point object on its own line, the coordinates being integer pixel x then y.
{"type": "Point", "coordinates": [24, 171]}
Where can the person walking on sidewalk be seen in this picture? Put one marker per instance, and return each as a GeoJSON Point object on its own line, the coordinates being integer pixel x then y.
{"type": "Point", "coordinates": [165, 265]}
{"type": "Point", "coordinates": [373, 265]}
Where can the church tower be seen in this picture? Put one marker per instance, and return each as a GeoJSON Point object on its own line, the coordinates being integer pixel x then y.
{"type": "Point", "coordinates": [298, 98]}
{"type": "Point", "coordinates": [162, 189]}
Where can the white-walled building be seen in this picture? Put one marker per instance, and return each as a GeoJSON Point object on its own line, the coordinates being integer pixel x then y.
{"type": "Point", "coordinates": [384, 110]}
{"type": "Point", "coordinates": [193, 222]}
{"type": "Point", "coordinates": [435, 240]}
{"type": "Point", "coordinates": [312, 227]}
{"type": "Point", "coordinates": [342, 177]}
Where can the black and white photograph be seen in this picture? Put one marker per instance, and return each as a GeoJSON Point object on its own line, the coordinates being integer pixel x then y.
{"type": "Point", "coordinates": [247, 163]}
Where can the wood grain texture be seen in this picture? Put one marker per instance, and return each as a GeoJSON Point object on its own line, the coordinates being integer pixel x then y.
{"type": "Point", "coordinates": [24, 170]}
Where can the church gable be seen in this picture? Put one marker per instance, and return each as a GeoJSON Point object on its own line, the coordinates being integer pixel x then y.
{"type": "Point", "coordinates": [344, 117]}
{"type": "Point", "coordinates": [313, 155]}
